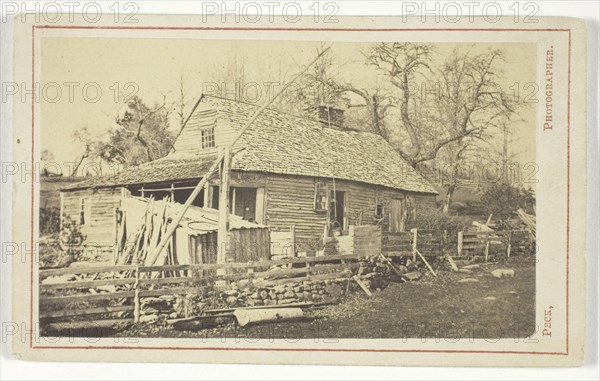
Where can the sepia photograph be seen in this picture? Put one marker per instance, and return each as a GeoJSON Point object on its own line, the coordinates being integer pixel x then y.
{"type": "Point", "coordinates": [375, 191]}
{"type": "Point", "coordinates": [281, 188]}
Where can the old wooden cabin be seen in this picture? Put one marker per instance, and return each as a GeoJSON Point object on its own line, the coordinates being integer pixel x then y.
{"type": "Point", "coordinates": [304, 178]}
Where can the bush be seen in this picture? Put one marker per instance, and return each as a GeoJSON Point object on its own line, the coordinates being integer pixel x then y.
{"type": "Point", "coordinates": [435, 219]}
{"type": "Point", "coordinates": [71, 238]}
{"type": "Point", "coordinates": [49, 220]}
{"type": "Point", "coordinates": [503, 200]}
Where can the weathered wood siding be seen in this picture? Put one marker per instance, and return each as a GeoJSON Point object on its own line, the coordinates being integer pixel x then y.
{"type": "Point", "coordinates": [290, 201]}
{"type": "Point", "coordinates": [205, 116]}
{"type": "Point", "coordinates": [100, 229]}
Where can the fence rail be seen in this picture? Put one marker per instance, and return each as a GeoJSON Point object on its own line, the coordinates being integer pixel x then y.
{"type": "Point", "coordinates": [108, 290]}
{"type": "Point", "coordinates": [127, 284]}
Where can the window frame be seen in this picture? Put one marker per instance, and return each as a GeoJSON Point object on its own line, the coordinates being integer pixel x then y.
{"type": "Point", "coordinates": [85, 211]}
{"type": "Point", "coordinates": [208, 141]}
{"type": "Point", "coordinates": [320, 204]}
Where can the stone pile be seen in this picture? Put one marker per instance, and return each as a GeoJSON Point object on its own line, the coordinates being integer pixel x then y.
{"type": "Point", "coordinates": [243, 293]}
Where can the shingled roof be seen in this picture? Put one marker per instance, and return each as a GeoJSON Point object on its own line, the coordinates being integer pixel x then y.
{"type": "Point", "coordinates": [285, 144]}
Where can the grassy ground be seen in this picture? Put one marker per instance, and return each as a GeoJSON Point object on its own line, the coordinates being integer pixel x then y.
{"type": "Point", "coordinates": [429, 308]}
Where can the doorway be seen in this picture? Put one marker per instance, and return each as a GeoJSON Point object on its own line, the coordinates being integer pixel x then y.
{"type": "Point", "coordinates": [337, 210]}
{"type": "Point", "coordinates": [397, 215]}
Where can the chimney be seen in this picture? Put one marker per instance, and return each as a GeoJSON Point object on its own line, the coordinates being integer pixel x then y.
{"type": "Point", "coordinates": [331, 116]}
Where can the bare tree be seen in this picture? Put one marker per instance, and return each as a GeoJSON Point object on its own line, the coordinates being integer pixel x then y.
{"type": "Point", "coordinates": [468, 104]}
{"type": "Point", "coordinates": [82, 136]}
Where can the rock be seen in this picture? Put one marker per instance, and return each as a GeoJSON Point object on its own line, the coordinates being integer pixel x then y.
{"type": "Point", "coordinates": [402, 269]}
{"type": "Point", "coordinates": [231, 300]}
{"type": "Point", "coordinates": [148, 318]}
{"type": "Point", "coordinates": [280, 296]}
{"type": "Point", "coordinates": [254, 295]}
{"type": "Point", "coordinates": [270, 302]}
{"type": "Point", "coordinates": [173, 315]}
{"type": "Point", "coordinates": [490, 298]}
{"type": "Point", "coordinates": [272, 294]}
{"type": "Point", "coordinates": [412, 276]}
{"type": "Point", "coordinates": [470, 267]}
{"type": "Point", "coordinates": [279, 289]}
{"type": "Point", "coordinates": [263, 294]}
{"type": "Point", "coordinates": [468, 280]}
{"type": "Point", "coordinates": [306, 296]}
{"type": "Point", "coordinates": [149, 311]}
{"type": "Point", "coordinates": [289, 294]}
{"type": "Point", "coordinates": [231, 292]}
{"type": "Point", "coordinates": [465, 271]}
{"type": "Point", "coordinates": [334, 290]}
{"type": "Point", "coordinates": [156, 304]}
{"type": "Point", "coordinates": [500, 273]}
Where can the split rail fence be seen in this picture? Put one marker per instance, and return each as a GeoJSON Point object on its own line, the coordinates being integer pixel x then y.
{"type": "Point", "coordinates": [108, 290]}
{"type": "Point", "coordinates": [120, 288]}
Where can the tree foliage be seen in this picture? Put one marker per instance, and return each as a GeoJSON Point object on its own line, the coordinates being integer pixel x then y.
{"type": "Point", "coordinates": [503, 200]}
{"type": "Point", "coordinates": [141, 134]}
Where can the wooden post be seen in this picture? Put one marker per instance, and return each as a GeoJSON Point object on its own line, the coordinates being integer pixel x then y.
{"type": "Point", "coordinates": [223, 207]}
{"type": "Point", "coordinates": [426, 263]}
{"type": "Point", "coordinates": [293, 240]}
{"type": "Point", "coordinates": [260, 205]}
{"type": "Point", "coordinates": [136, 296]}
{"type": "Point", "coordinates": [172, 192]}
{"type": "Point", "coordinates": [487, 247]}
{"type": "Point", "coordinates": [459, 246]}
{"type": "Point", "coordinates": [207, 199]}
{"type": "Point", "coordinates": [142, 190]}
{"type": "Point", "coordinates": [509, 244]}
{"type": "Point", "coordinates": [414, 243]}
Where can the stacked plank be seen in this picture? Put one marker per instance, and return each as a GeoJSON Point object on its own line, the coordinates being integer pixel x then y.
{"type": "Point", "coordinates": [367, 240]}
{"type": "Point", "coordinates": [141, 243]}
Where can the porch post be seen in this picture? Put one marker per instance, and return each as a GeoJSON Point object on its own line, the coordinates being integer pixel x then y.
{"type": "Point", "coordinates": [223, 207]}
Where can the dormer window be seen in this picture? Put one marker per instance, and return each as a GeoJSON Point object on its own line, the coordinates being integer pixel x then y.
{"type": "Point", "coordinates": [208, 137]}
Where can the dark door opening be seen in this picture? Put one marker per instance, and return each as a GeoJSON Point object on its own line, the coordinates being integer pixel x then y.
{"type": "Point", "coordinates": [336, 210]}
{"type": "Point", "coordinates": [182, 195]}
{"type": "Point", "coordinates": [242, 202]}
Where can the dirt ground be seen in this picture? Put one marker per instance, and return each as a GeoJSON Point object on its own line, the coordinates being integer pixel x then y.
{"type": "Point", "coordinates": [429, 308]}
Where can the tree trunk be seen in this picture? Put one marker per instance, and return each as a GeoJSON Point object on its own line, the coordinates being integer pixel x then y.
{"type": "Point", "coordinates": [448, 201]}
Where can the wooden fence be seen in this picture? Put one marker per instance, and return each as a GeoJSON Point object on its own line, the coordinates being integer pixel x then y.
{"type": "Point", "coordinates": [109, 290]}
{"type": "Point", "coordinates": [118, 289]}
{"type": "Point", "coordinates": [497, 243]}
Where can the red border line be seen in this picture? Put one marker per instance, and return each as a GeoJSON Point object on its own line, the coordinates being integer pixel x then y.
{"type": "Point", "coordinates": [32, 179]}
{"type": "Point", "coordinates": [367, 350]}
{"type": "Point", "coordinates": [568, 183]}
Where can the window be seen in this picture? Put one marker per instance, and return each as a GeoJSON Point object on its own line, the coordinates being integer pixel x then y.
{"type": "Point", "coordinates": [208, 137]}
{"type": "Point", "coordinates": [320, 196]}
{"type": "Point", "coordinates": [84, 211]}
{"type": "Point", "coordinates": [379, 211]}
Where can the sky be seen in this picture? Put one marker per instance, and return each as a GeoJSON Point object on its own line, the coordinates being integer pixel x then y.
{"type": "Point", "coordinates": [84, 80]}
